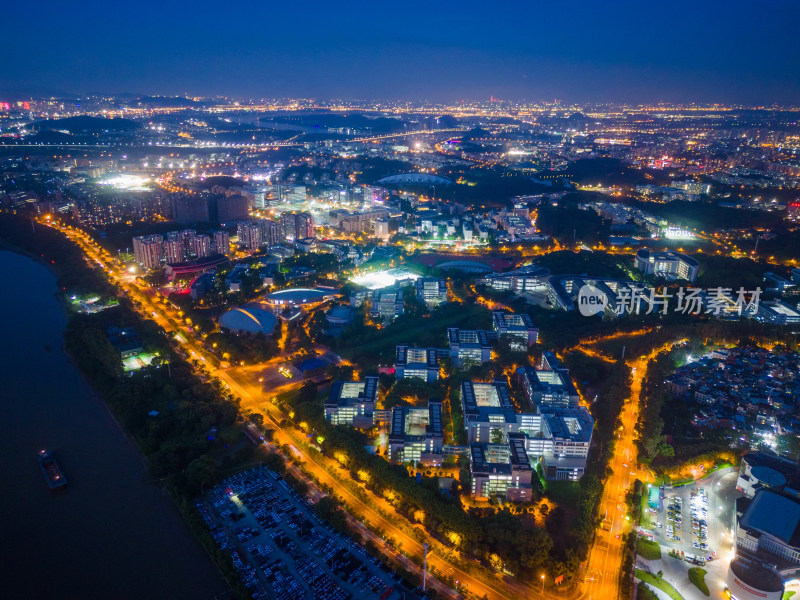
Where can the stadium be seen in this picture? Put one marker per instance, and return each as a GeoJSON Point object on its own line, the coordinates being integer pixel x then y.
{"type": "Point", "coordinates": [248, 320]}
{"type": "Point", "coordinates": [300, 297]}
{"type": "Point", "coordinates": [382, 279]}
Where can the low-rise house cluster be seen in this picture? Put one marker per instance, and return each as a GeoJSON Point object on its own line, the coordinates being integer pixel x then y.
{"type": "Point", "coordinates": [743, 388]}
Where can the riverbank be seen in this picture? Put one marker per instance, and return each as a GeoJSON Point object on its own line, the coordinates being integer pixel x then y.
{"type": "Point", "coordinates": [111, 532]}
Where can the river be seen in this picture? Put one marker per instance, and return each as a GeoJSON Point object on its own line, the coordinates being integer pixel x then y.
{"type": "Point", "coordinates": [110, 533]}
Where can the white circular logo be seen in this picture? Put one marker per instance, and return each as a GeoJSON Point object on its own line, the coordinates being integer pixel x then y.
{"type": "Point", "coordinates": [591, 300]}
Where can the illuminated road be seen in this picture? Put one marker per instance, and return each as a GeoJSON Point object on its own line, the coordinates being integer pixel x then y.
{"type": "Point", "coordinates": [602, 569]}
{"type": "Point", "coordinates": [364, 511]}
{"type": "Point", "coordinates": [605, 558]}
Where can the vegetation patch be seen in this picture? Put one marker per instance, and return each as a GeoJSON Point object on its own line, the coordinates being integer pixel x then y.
{"type": "Point", "coordinates": [658, 582]}
{"type": "Point", "coordinates": [697, 575]}
{"type": "Point", "coordinates": [649, 549]}
{"type": "Point", "coordinates": [644, 592]}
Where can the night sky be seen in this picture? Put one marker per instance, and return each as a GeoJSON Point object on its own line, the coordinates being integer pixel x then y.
{"type": "Point", "coordinates": [605, 50]}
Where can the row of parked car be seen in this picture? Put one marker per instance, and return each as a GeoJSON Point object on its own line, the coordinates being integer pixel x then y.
{"type": "Point", "coordinates": [276, 539]}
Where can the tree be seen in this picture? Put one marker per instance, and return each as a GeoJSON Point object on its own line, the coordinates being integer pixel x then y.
{"type": "Point", "coordinates": [257, 419]}
{"type": "Point", "coordinates": [275, 462]}
{"type": "Point", "coordinates": [497, 436]}
{"type": "Point", "coordinates": [202, 471]}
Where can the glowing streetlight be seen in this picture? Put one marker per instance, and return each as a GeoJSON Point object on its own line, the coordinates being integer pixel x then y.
{"type": "Point", "coordinates": [425, 567]}
{"type": "Point", "coordinates": [542, 584]}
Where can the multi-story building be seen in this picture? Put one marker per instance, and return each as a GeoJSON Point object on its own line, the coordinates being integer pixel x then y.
{"type": "Point", "coordinates": [148, 250]}
{"type": "Point", "coordinates": [187, 237]}
{"type": "Point", "coordinates": [382, 228]}
{"type": "Point", "coordinates": [222, 242]}
{"type": "Point", "coordinates": [529, 279]}
{"type": "Point", "coordinates": [558, 437]}
{"type": "Point", "coordinates": [254, 234]}
{"type": "Point", "coordinates": [416, 434]}
{"type": "Point", "coordinates": [271, 233]}
{"type": "Point", "coordinates": [362, 222]}
{"type": "Point", "coordinates": [770, 526]}
{"type": "Point", "coordinates": [549, 385]}
{"type": "Point", "coordinates": [519, 327]}
{"type": "Point", "coordinates": [202, 246]}
{"type": "Point", "coordinates": [296, 226]}
{"type": "Point", "coordinates": [387, 304]}
{"type": "Point", "coordinates": [232, 208]}
{"type": "Point", "coordinates": [501, 470]}
{"type": "Point", "coordinates": [571, 435]}
{"type": "Point", "coordinates": [563, 290]}
{"type": "Point", "coordinates": [670, 264]}
{"type": "Point", "coordinates": [488, 410]}
{"type": "Point", "coordinates": [173, 250]}
{"type": "Point", "coordinates": [249, 234]}
{"type": "Point", "coordinates": [285, 194]}
{"type": "Point", "coordinates": [778, 313]}
{"type": "Point", "coordinates": [422, 363]}
{"type": "Point", "coordinates": [469, 346]}
{"type": "Point", "coordinates": [188, 209]}
{"type": "Point", "coordinates": [352, 402]}
{"type": "Point", "coordinates": [431, 292]}
{"type": "Point", "coordinates": [776, 283]}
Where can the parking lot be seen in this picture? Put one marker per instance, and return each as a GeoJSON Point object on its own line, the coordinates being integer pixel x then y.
{"type": "Point", "coordinates": [283, 550]}
{"type": "Point", "coordinates": [695, 522]}
{"type": "Point", "coordinates": [695, 530]}
{"type": "Point", "coordinates": [697, 519]}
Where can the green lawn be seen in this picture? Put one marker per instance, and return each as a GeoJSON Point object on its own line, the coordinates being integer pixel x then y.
{"type": "Point", "coordinates": [649, 549]}
{"type": "Point", "coordinates": [563, 493]}
{"type": "Point", "coordinates": [697, 576]}
{"type": "Point", "coordinates": [681, 482]}
{"type": "Point", "coordinates": [644, 510]}
{"type": "Point", "coordinates": [787, 595]}
{"type": "Point", "coordinates": [723, 465]}
{"type": "Point", "coordinates": [645, 593]}
{"type": "Point", "coordinates": [370, 344]}
{"type": "Point", "coordinates": [651, 579]}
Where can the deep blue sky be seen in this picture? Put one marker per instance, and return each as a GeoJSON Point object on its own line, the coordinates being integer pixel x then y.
{"type": "Point", "coordinates": [605, 50]}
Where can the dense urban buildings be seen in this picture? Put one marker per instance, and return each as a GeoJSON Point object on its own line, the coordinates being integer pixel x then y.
{"type": "Point", "coordinates": [477, 294]}
{"type": "Point", "coordinates": [401, 303]}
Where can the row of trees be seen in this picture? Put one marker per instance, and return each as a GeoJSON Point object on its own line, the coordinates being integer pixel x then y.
{"type": "Point", "coordinates": [186, 429]}
{"type": "Point", "coordinates": [249, 348]}
{"type": "Point", "coordinates": [521, 550]}
{"type": "Point", "coordinates": [606, 411]}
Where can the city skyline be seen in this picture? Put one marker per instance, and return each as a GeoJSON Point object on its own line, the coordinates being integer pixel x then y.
{"type": "Point", "coordinates": [455, 300]}
{"type": "Point", "coordinates": [731, 53]}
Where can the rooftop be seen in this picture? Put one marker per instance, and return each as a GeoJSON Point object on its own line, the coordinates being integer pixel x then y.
{"type": "Point", "coordinates": [247, 319]}
{"type": "Point", "coordinates": [344, 393]}
{"type": "Point", "coordinates": [774, 514]}
{"type": "Point", "coordinates": [298, 295]}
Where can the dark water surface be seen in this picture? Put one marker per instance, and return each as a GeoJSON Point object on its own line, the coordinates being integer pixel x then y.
{"type": "Point", "coordinates": [111, 533]}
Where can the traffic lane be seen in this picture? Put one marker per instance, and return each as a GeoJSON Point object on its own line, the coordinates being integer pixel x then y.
{"type": "Point", "coordinates": [376, 519]}
{"type": "Point", "coordinates": [190, 342]}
